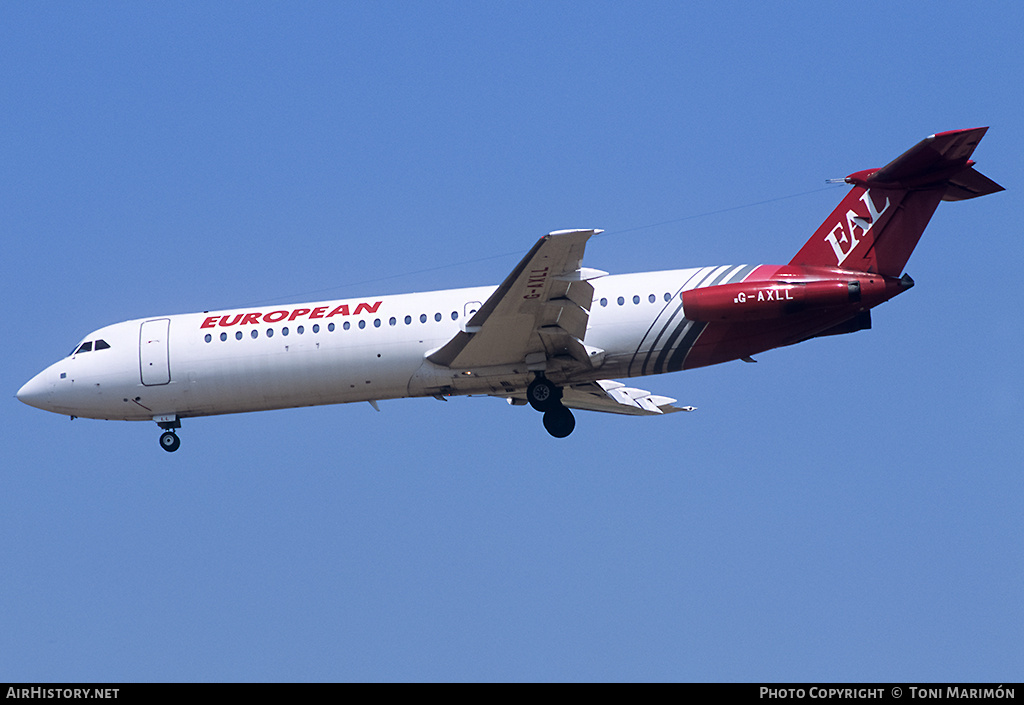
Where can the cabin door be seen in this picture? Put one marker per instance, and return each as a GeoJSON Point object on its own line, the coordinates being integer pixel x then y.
{"type": "Point", "coordinates": [154, 348]}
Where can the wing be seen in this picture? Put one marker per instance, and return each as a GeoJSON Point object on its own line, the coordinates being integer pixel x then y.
{"type": "Point", "coordinates": [539, 312]}
{"type": "Point", "coordinates": [615, 398]}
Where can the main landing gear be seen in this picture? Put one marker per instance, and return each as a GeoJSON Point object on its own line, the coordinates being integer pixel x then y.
{"type": "Point", "coordinates": [546, 397]}
{"type": "Point", "coordinates": [169, 440]}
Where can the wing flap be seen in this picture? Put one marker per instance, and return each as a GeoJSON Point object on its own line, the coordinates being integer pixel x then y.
{"type": "Point", "coordinates": [567, 315]}
{"type": "Point", "coordinates": [614, 397]}
{"type": "Point", "coordinates": [542, 307]}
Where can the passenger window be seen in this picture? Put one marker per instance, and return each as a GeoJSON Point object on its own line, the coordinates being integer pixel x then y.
{"type": "Point", "coordinates": [652, 298]}
{"type": "Point", "coordinates": [270, 332]}
{"type": "Point", "coordinates": [255, 334]}
{"type": "Point", "coordinates": [362, 324]}
{"type": "Point", "coordinates": [620, 301]}
{"type": "Point", "coordinates": [437, 316]}
{"type": "Point", "coordinates": [223, 337]}
{"type": "Point", "coordinates": [636, 299]}
{"type": "Point", "coordinates": [347, 325]}
{"type": "Point", "coordinates": [316, 327]}
{"type": "Point", "coordinates": [238, 335]}
{"type": "Point", "coordinates": [284, 331]}
{"type": "Point", "coordinates": [392, 321]}
{"type": "Point", "coordinates": [102, 345]}
{"type": "Point", "coordinates": [300, 330]}
{"type": "Point", "coordinates": [208, 338]}
{"type": "Point", "coordinates": [604, 302]}
{"type": "Point", "coordinates": [376, 323]}
{"type": "Point", "coordinates": [330, 327]}
{"type": "Point", "coordinates": [408, 320]}
{"type": "Point", "coordinates": [455, 315]}
{"type": "Point", "coordinates": [423, 318]}
{"type": "Point", "coordinates": [668, 296]}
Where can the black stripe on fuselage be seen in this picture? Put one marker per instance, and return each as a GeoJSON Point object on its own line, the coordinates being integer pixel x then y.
{"type": "Point", "coordinates": [661, 316]}
{"type": "Point", "coordinates": [713, 278]}
{"type": "Point", "coordinates": [675, 363]}
{"type": "Point", "coordinates": [671, 357]}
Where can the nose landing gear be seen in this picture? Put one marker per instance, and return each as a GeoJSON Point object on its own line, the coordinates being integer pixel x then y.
{"type": "Point", "coordinates": [169, 440]}
{"type": "Point", "coordinates": [546, 397]}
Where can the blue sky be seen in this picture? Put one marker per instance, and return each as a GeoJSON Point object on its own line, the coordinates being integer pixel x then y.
{"type": "Point", "coordinates": [847, 509]}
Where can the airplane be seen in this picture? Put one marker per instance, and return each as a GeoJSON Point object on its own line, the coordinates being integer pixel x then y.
{"type": "Point", "coordinates": [552, 335]}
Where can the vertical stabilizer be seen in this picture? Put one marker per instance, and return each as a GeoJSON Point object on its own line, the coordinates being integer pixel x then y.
{"type": "Point", "coordinates": [877, 225]}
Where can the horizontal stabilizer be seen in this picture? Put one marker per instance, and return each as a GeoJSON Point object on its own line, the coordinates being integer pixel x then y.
{"type": "Point", "coordinates": [932, 161]}
{"type": "Point", "coordinates": [970, 183]}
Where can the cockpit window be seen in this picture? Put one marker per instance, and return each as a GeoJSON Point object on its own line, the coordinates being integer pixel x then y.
{"type": "Point", "coordinates": [91, 345]}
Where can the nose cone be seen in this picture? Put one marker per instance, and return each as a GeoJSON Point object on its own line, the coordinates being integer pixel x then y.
{"type": "Point", "coordinates": [37, 391]}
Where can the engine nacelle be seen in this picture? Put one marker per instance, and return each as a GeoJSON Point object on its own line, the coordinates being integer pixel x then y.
{"type": "Point", "coordinates": [753, 301]}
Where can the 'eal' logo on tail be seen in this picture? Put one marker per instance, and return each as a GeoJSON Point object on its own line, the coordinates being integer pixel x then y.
{"type": "Point", "coordinates": [843, 236]}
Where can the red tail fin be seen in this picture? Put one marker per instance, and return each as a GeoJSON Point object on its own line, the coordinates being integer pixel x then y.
{"type": "Point", "coordinates": [876, 227]}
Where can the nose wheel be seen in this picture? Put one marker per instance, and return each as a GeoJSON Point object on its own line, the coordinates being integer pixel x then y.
{"type": "Point", "coordinates": [169, 441]}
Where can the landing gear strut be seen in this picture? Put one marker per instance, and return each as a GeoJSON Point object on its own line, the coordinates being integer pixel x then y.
{"type": "Point", "coordinates": [169, 440]}
{"type": "Point", "coordinates": [546, 397]}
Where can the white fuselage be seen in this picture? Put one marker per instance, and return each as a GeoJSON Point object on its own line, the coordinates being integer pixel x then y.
{"type": "Point", "coordinates": [327, 352]}
{"type": "Point", "coordinates": [553, 334]}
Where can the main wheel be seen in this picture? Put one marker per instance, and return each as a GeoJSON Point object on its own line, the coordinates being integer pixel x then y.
{"type": "Point", "coordinates": [543, 395]}
{"type": "Point", "coordinates": [169, 441]}
{"type": "Point", "coordinates": [559, 422]}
